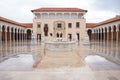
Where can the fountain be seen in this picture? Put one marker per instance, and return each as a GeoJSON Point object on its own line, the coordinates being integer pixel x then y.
{"type": "Point", "coordinates": [60, 44]}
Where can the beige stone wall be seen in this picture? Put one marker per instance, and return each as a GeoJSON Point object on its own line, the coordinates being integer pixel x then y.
{"type": "Point", "coordinates": [50, 23]}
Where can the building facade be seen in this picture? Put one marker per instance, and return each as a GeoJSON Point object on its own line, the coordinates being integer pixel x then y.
{"type": "Point", "coordinates": [59, 24]}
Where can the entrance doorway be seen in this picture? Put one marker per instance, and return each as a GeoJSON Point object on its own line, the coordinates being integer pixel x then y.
{"type": "Point", "coordinates": [70, 36]}
{"type": "Point", "coordinates": [78, 36]}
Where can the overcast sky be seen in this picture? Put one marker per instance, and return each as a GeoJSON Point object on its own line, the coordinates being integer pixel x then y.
{"type": "Point", "coordinates": [98, 10]}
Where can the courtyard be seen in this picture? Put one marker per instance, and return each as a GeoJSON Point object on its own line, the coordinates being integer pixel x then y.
{"type": "Point", "coordinates": [30, 60]}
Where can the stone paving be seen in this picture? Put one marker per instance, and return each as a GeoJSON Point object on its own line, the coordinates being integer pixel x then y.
{"type": "Point", "coordinates": [78, 64]}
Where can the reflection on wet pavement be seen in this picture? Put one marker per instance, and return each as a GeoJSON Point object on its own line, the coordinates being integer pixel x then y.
{"type": "Point", "coordinates": [100, 63]}
{"type": "Point", "coordinates": [20, 62]}
{"type": "Point", "coordinates": [94, 62]}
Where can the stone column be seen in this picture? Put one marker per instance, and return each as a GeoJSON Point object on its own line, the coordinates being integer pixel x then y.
{"type": "Point", "coordinates": [1, 43]}
{"type": "Point", "coordinates": [111, 42]}
{"type": "Point", "coordinates": [13, 41]}
{"type": "Point", "coordinates": [101, 35]}
{"type": "Point", "coordinates": [22, 40]}
{"type": "Point", "coordinates": [101, 42]}
{"type": "Point", "coordinates": [104, 41]}
{"type": "Point", "coordinates": [98, 44]}
{"type": "Point", "coordinates": [10, 41]}
{"type": "Point", "coordinates": [94, 38]}
{"type": "Point", "coordinates": [17, 41]}
{"type": "Point", "coordinates": [107, 41]}
{"type": "Point", "coordinates": [117, 46]}
{"type": "Point", "coordinates": [6, 54]}
{"type": "Point", "coordinates": [20, 35]}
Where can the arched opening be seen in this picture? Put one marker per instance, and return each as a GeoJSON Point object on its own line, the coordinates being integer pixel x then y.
{"type": "Point", "coordinates": [57, 35]}
{"type": "Point", "coordinates": [119, 32]}
{"type": "Point", "coordinates": [28, 34]}
{"type": "Point", "coordinates": [102, 34]}
{"type": "Point", "coordinates": [12, 33]}
{"type": "Point", "coordinates": [21, 34]}
{"type": "Point", "coordinates": [15, 34]}
{"type": "Point", "coordinates": [90, 34]}
{"type": "Point", "coordinates": [3, 33]}
{"type": "Point", "coordinates": [105, 33]}
{"type": "Point", "coordinates": [18, 34]}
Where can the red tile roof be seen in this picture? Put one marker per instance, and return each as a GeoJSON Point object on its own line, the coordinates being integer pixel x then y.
{"type": "Point", "coordinates": [117, 18]}
{"type": "Point", "coordinates": [59, 10]}
{"type": "Point", "coordinates": [28, 25]}
{"type": "Point", "coordinates": [11, 21]}
{"type": "Point", "coordinates": [90, 25]}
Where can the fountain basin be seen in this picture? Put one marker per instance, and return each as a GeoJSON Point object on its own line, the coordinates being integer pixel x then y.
{"type": "Point", "coordinates": [60, 45]}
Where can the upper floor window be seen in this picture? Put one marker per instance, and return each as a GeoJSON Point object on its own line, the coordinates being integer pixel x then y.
{"type": "Point", "coordinates": [69, 25]}
{"type": "Point", "coordinates": [59, 25]}
{"type": "Point", "coordinates": [38, 25]}
{"type": "Point", "coordinates": [77, 24]}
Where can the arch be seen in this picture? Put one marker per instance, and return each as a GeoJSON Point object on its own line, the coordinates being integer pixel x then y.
{"type": "Point", "coordinates": [57, 35]}
{"type": "Point", "coordinates": [99, 34]}
{"type": "Point", "coordinates": [8, 33]}
{"type": "Point", "coordinates": [102, 34]}
{"type": "Point", "coordinates": [29, 34]}
{"type": "Point", "coordinates": [16, 34]}
{"type": "Point", "coordinates": [3, 32]}
{"type": "Point", "coordinates": [105, 33]}
{"type": "Point", "coordinates": [89, 32]}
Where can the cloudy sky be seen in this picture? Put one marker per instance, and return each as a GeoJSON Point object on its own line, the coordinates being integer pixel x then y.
{"type": "Point", "coordinates": [98, 10]}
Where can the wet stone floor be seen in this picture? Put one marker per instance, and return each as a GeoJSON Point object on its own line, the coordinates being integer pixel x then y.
{"type": "Point", "coordinates": [29, 60]}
